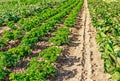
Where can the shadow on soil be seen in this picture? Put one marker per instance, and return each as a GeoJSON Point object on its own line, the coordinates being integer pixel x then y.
{"type": "Point", "coordinates": [65, 60]}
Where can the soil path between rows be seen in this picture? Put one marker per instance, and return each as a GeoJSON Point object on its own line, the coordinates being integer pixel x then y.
{"type": "Point", "coordinates": [81, 61]}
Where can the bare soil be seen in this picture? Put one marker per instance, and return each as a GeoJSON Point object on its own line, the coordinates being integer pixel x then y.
{"type": "Point", "coordinates": [81, 61]}
{"type": "Point", "coordinates": [2, 29]}
{"type": "Point", "coordinates": [11, 44]}
{"type": "Point", "coordinates": [36, 49]}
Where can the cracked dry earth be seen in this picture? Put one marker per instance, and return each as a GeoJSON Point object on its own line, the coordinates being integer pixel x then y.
{"type": "Point", "coordinates": [81, 61]}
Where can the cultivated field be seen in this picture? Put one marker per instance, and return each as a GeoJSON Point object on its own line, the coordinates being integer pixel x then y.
{"type": "Point", "coordinates": [59, 40]}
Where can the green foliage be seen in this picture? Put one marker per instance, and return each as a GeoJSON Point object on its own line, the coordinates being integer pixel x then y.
{"type": "Point", "coordinates": [105, 17]}
{"type": "Point", "coordinates": [15, 54]}
{"type": "Point", "coordinates": [10, 17]}
{"type": "Point", "coordinates": [61, 36]}
{"type": "Point", "coordinates": [17, 9]}
{"type": "Point", "coordinates": [116, 75]}
{"type": "Point", "coordinates": [39, 70]}
{"type": "Point", "coordinates": [32, 37]}
{"type": "Point", "coordinates": [70, 21]}
{"type": "Point", "coordinates": [13, 35]}
{"type": "Point", "coordinates": [1, 21]}
{"type": "Point", "coordinates": [3, 73]}
{"type": "Point", "coordinates": [3, 42]}
{"type": "Point", "coordinates": [50, 54]}
{"type": "Point", "coordinates": [11, 25]}
{"type": "Point", "coordinates": [32, 23]}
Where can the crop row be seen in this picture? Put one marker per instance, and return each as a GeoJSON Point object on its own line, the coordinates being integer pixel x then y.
{"type": "Point", "coordinates": [12, 56]}
{"type": "Point", "coordinates": [106, 19]}
{"type": "Point", "coordinates": [41, 68]}
{"type": "Point", "coordinates": [62, 38]}
{"type": "Point", "coordinates": [32, 22]}
{"type": "Point", "coordinates": [20, 9]}
{"type": "Point", "coordinates": [70, 21]}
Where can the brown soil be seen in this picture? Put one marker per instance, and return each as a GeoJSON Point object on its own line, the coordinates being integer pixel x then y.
{"type": "Point", "coordinates": [11, 44]}
{"type": "Point", "coordinates": [39, 46]}
{"type": "Point", "coordinates": [2, 29]}
{"type": "Point", "coordinates": [81, 61]}
{"type": "Point", "coordinates": [23, 64]}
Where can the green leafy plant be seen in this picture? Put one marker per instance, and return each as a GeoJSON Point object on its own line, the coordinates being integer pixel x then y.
{"type": "Point", "coordinates": [70, 20]}
{"type": "Point", "coordinates": [39, 70]}
{"type": "Point", "coordinates": [11, 25]}
{"type": "Point", "coordinates": [61, 36]}
{"type": "Point", "coordinates": [50, 54]}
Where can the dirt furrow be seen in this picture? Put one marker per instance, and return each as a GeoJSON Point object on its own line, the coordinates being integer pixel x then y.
{"type": "Point", "coordinates": [81, 61]}
{"type": "Point", "coordinates": [93, 65]}
{"type": "Point", "coordinates": [69, 64]}
{"type": "Point", "coordinates": [86, 74]}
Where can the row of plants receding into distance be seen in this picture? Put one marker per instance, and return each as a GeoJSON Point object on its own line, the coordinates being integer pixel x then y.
{"type": "Point", "coordinates": [42, 67]}
{"type": "Point", "coordinates": [27, 24]}
{"type": "Point", "coordinates": [18, 9]}
{"type": "Point", "coordinates": [106, 19]}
